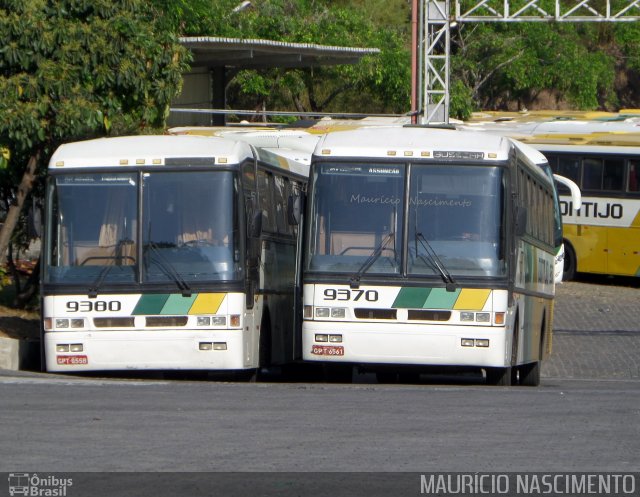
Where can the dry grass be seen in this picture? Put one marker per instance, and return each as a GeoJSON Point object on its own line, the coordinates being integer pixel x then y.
{"type": "Point", "coordinates": [17, 323]}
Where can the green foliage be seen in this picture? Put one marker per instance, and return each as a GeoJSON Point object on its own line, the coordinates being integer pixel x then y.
{"type": "Point", "coordinates": [71, 69]}
{"type": "Point", "coordinates": [461, 103]}
{"type": "Point", "coordinates": [493, 65]}
{"type": "Point", "coordinates": [527, 64]}
{"type": "Point", "coordinates": [75, 69]}
{"type": "Point", "coordinates": [377, 84]}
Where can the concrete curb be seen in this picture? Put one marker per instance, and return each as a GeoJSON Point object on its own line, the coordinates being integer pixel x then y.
{"type": "Point", "coordinates": [19, 354]}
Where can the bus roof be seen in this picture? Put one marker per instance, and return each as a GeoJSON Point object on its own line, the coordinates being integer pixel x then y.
{"type": "Point", "coordinates": [552, 115]}
{"type": "Point", "coordinates": [289, 149]}
{"type": "Point", "coordinates": [417, 142]}
{"type": "Point", "coordinates": [578, 148]}
{"type": "Point", "coordinates": [148, 150]}
{"type": "Point", "coordinates": [568, 133]}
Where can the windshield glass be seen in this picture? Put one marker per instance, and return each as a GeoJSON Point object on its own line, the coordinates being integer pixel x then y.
{"type": "Point", "coordinates": [457, 211]}
{"type": "Point", "coordinates": [187, 223]}
{"type": "Point", "coordinates": [356, 218]}
{"type": "Point", "coordinates": [92, 227]}
{"type": "Point", "coordinates": [188, 226]}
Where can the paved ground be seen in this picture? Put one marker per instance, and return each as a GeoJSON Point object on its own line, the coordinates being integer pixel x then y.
{"type": "Point", "coordinates": [597, 330]}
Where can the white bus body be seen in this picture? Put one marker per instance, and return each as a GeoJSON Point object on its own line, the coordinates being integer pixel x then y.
{"type": "Point", "coordinates": [169, 252]}
{"type": "Point", "coordinates": [422, 250]}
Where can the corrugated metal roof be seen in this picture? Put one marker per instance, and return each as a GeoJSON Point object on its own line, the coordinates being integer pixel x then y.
{"type": "Point", "coordinates": [212, 51]}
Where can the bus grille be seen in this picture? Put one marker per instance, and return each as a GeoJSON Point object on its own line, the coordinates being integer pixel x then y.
{"type": "Point", "coordinates": [166, 321]}
{"type": "Point", "coordinates": [364, 313]}
{"type": "Point", "coordinates": [426, 315]}
{"type": "Point", "coordinates": [127, 322]}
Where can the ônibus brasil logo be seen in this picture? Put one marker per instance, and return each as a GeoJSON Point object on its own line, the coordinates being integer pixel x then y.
{"type": "Point", "coordinates": [38, 486]}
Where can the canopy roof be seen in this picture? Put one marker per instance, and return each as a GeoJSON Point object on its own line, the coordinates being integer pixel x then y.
{"type": "Point", "coordinates": [211, 51]}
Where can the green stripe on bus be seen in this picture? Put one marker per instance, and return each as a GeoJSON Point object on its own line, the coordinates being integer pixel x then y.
{"type": "Point", "coordinates": [177, 304]}
{"type": "Point", "coordinates": [150, 304]}
{"type": "Point", "coordinates": [411, 298]}
{"type": "Point", "coordinates": [440, 298]}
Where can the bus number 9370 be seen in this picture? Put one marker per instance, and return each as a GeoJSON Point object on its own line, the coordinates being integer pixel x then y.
{"type": "Point", "coordinates": [355, 295]}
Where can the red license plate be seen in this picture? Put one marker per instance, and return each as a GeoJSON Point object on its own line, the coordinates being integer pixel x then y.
{"type": "Point", "coordinates": [335, 350]}
{"type": "Point", "coordinates": [72, 359]}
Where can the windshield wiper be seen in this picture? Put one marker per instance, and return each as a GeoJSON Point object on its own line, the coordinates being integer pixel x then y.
{"type": "Point", "coordinates": [435, 262]}
{"type": "Point", "coordinates": [170, 270]}
{"type": "Point", "coordinates": [355, 279]}
{"type": "Point", "coordinates": [95, 286]}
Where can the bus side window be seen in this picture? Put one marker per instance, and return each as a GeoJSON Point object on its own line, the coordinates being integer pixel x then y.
{"type": "Point", "coordinates": [569, 167]}
{"type": "Point", "coordinates": [634, 176]}
{"type": "Point", "coordinates": [592, 174]}
{"type": "Point", "coordinates": [613, 175]}
{"type": "Point", "coordinates": [280, 194]}
{"type": "Point", "coordinates": [265, 188]}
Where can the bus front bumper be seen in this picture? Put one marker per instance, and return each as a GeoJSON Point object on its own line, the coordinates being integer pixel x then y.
{"type": "Point", "coordinates": [401, 343]}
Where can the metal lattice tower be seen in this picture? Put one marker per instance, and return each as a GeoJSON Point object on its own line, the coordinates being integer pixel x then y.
{"type": "Point", "coordinates": [436, 20]}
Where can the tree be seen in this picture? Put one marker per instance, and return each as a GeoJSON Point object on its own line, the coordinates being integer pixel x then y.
{"type": "Point", "coordinates": [533, 65]}
{"type": "Point", "coordinates": [379, 83]}
{"type": "Point", "coordinates": [76, 69]}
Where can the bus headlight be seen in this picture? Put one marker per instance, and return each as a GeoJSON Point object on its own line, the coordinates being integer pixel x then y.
{"type": "Point", "coordinates": [467, 316]}
{"type": "Point", "coordinates": [483, 317]}
{"type": "Point", "coordinates": [332, 312]}
{"type": "Point", "coordinates": [203, 321]}
{"type": "Point", "coordinates": [218, 320]}
{"type": "Point", "coordinates": [322, 312]}
{"type": "Point", "coordinates": [338, 312]}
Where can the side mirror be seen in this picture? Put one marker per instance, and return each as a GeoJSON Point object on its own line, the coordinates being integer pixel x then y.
{"type": "Point", "coordinates": [576, 195]}
{"type": "Point", "coordinates": [521, 221]}
{"type": "Point", "coordinates": [294, 209]}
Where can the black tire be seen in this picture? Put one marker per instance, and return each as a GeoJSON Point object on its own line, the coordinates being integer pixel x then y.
{"type": "Point", "coordinates": [530, 374]}
{"type": "Point", "coordinates": [246, 376]}
{"type": "Point", "coordinates": [501, 377]}
{"type": "Point", "coordinates": [411, 378]}
{"type": "Point", "coordinates": [264, 354]}
{"type": "Point", "coordinates": [338, 373]}
{"type": "Point", "coordinates": [387, 376]}
{"type": "Point", "coordinates": [570, 262]}
{"type": "Point", "coordinates": [508, 376]}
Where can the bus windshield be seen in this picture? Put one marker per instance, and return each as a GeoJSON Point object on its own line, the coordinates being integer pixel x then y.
{"type": "Point", "coordinates": [455, 225]}
{"type": "Point", "coordinates": [187, 224]}
{"type": "Point", "coordinates": [356, 218]}
{"type": "Point", "coordinates": [455, 212]}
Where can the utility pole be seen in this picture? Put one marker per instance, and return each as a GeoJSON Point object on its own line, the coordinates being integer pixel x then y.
{"type": "Point", "coordinates": [432, 46]}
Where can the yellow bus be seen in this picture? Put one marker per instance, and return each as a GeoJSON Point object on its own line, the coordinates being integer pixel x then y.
{"type": "Point", "coordinates": [603, 158]}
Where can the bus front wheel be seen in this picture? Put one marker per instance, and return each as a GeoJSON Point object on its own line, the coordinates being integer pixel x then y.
{"type": "Point", "coordinates": [530, 374]}
{"type": "Point", "coordinates": [502, 377]}
{"type": "Point", "coordinates": [570, 263]}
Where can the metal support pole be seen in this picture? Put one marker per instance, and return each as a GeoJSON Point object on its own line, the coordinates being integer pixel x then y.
{"type": "Point", "coordinates": [436, 62]}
